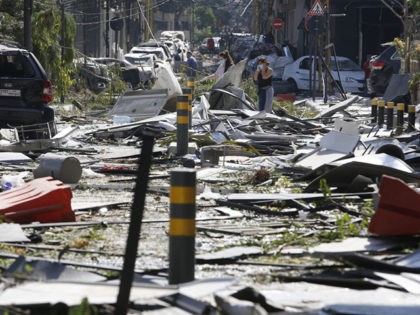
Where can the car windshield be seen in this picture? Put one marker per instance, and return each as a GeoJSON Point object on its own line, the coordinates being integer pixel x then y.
{"type": "Point", "coordinates": [344, 65]}
{"type": "Point", "coordinates": [157, 53]}
{"type": "Point", "coordinates": [142, 61]}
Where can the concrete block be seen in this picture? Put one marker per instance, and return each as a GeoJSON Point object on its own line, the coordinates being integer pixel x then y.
{"type": "Point", "coordinates": [192, 148]}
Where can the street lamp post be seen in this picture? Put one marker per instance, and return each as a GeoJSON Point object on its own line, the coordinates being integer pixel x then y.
{"type": "Point", "coordinates": [192, 24]}
{"type": "Point", "coordinates": [27, 24]}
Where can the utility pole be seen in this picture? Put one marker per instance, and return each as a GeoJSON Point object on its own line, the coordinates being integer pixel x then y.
{"type": "Point", "coordinates": [63, 42]}
{"type": "Point", "coordinates": [63, 29]}
{"type": "Point", "coordinates": [256, 17]}
{"type": "Point", "coordinates": [107, 28]}
{"type": "Point", "coordinates": [27, 24]}
{"type": "Point", "coordinates": [328, 88]}
{"type": "Point", "coordinates": [149, 19]}
{"type": "Point", "coordinates": [192, 24]}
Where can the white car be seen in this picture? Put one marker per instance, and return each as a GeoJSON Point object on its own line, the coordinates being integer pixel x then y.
{"type": "Point", "coordinates": [350, 74]}
{"type": "Point", "coordinates": [146, 65]}
{"type": "Point", "coordinates": [159, 52]}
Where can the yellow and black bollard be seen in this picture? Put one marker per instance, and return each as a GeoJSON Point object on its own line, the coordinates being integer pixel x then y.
{"type": "Point", "coordinates": [381, 112]}
{"type": "Point", "coordinates": [374, 110]}
{"type": "Point", "coordinates": [182, 125]}
{"type": "Point", "coordinates": [188, 92]}
{"type": "Point", "coordinates": [389, 115]}
{"type": "Point", "coordinates": [191, 85]}
{"type": "Point", "coordinates": [182, 226]}
{"type": "Point", "coordinates": [400, 116]}
{"type": "Point", "coordinates": [411, 117]}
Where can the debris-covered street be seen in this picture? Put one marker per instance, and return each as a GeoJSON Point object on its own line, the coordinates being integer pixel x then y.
{"type": "Point", "coordinates": [284, 207]}
{"type": "Point", "coordinates": [209, 157]}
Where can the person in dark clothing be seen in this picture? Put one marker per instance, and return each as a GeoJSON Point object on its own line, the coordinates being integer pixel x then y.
{"type": "Point", "coordinates": [222, 43]}
{"type": "Point", "coordinates": [269, 38]}
{"type": "Point", "coordinates": [263, 75]}
{"type": "Point", "coordinates": [210, 45]}
{"type": "Point", "coordinates": [191, 67]}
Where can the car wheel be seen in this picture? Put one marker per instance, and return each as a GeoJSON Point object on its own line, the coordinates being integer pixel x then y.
{"type": "Point", "coordinates": [48, 114]}
{"type": "Point", "coordinates": [292, 85]}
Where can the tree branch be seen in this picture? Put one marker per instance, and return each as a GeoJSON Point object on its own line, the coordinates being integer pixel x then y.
{"type": "Point", "coordinates": [401, 17]}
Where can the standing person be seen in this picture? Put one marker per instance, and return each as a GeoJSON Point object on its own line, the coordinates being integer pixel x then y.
{"type": "Point", "coordinates": [177, 60]}
{"type": "Point", "coordinates": [191, 67]}
{"type": "Point", "coordinates": [222, 43]}
{"type": "Point", "coordinates": [210, 44]}
{"type": "Point", "coordinates": [269, 38]}
{"type": "Point", "coordinates": [225, 63]}
{"type": "Point", "coordinates": [264, 75]}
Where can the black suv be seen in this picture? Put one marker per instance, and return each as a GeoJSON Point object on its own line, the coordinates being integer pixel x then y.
{"type": "Point", "coordinates": [382, 68]}
{"type": "Point", "coordinates": [25, 89]}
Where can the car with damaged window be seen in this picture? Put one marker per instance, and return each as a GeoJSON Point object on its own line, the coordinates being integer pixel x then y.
{"type": "Point", "coordinates": [25, 89]}
{"type": "Point", "coordinates": [146, 63]}
{"type": "Point", "coordinates": [345, 72]}
{"type": "Point", "coordinates": [160, 52]}
{"type": "Point", "coordinates": [129, 72]}
{"type": "Point", "coordinates": [382, 67]}
{"type": "Point", "coordinates": [95, 76]}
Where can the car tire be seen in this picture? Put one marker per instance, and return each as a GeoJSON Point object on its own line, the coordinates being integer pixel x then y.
{"type": "Point", "coordinates": [292, 85]}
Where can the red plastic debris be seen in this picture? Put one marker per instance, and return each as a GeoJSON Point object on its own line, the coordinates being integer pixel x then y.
{"type": "Point", "coordinates": [42, 200]}
{"type": "Point", "coordinates": [398, 211]}
{"type": "Point", "coordinates": [286, 98]}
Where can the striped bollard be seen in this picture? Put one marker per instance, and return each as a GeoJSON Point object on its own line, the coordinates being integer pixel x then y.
{"type": "Point", "coordinates": [400, 116]}
{"type": "Point", "coordinates": [389, 115]}
{"type": "Point", "coordinates": [374, 110]}
{"type": "Point", "coordinates": [411, 117]}
{"type": "Point", "coordinates": [182, 125]}
{"type": "Point", "coordinates": [182, 226]}
{"type": "Point", "coordinates": [188, 92]}
{"type": "Point", "coordinates": [191, 84]}
{"type": "Point", "coordinates": [381, 112]}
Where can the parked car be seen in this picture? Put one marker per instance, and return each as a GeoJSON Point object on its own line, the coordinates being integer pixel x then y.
{"type": "Point", "coordinates": [129, 73]}
{"type": "Point", "coordinates": [146, 65]}
{"type": "Point", "coordinates": [203, 46]}
{"type": "Point", "coordinates": [25, 89]}
{"type": "Point", "coordinates": [350, 74]}
{"type": "Point", "coordinates": [383, 66]}
{"type": "Point", "coordinates": [96, 76]}
{"type": "Point", "coordinates": [161, 51]}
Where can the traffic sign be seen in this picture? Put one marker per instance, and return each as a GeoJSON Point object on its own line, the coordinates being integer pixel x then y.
{"type": "Point", "coordinates": [277, 24]}
{"type": "Point", "coordinates": [317, 9]}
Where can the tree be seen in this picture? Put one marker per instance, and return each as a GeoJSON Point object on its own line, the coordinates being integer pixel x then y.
{"type": "Point", "coordinates": [205, 17]}
{"type": "Point", "coordinates": [11, 20]}
{"type": "Point", "coordinates": [46, 42]}
{"type": "Point", "coordinates": [407, 11]}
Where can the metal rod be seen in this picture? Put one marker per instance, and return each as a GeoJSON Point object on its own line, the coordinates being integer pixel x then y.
{"type": "Point", "coordinates": [134, 229]}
